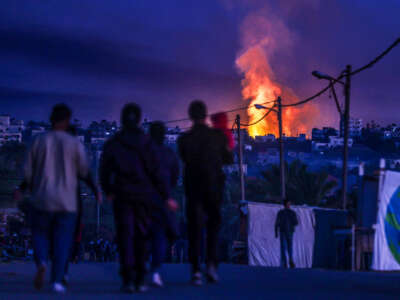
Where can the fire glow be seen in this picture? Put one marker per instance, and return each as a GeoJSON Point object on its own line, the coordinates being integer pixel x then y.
{"type": "Point", "coordinates": [259, 84]}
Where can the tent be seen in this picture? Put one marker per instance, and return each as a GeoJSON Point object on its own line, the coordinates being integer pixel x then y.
{"type": "Point", "coordinates": [313, 241]}
{"type": "Point", "coordinates": [386, 255]}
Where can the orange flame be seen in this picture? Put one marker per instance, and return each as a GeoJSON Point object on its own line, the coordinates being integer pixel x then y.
{"type": "Point", "coordinates": [259, 86]}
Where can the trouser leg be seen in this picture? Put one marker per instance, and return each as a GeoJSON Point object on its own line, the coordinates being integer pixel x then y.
{"type": "Point", "coordinates": [213, 226]}
{"type": "Point", "coordinates": [63, 232]}
{"type": "Point", "coordinates": [283, 249]}
{"type": "Point", "coordinates": [140, 241]}
{"type": "Point", "coordinates": [41, 229]}
{"type": "Point", "coordinates": [289, 238]}
{"type": "Point", "coordinates": [124, 223]}
{"type": "Point", "coordinates": [158, 247]}
{"type": "Point", "coordinates": [195, 222]}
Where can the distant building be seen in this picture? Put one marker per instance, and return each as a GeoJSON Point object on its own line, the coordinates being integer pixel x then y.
{"type": "Point", "coordinates": [98, 131]}
{"type": "Point", "coordinates": [172, 135]}
{"type": "Point", "coordinates": [355, 127]}
{"type": "Point", "coordinates": [10, 129]}
{"type": "Point", "coordinates": [265, 138]}
{"type": "Point", "coordinates": [333, 142]}
{"type": "Point", "coordinates": [5, 120]}
{"type": "Point", "coordinates": [322, 135]}
{"type": "Point", "coordinates": [317, 135]}
{"type": "Point", "coordinates": [336, 141]}
{"type": "Point", "coordinates": [302, 137]}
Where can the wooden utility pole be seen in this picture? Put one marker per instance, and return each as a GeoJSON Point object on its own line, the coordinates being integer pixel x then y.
{"type": "Point", "coordinates": [281, 152]}
{"type": "Point", "coordinates": [241, 173]}
{"type": "Point", "coordinates": [346, 134]}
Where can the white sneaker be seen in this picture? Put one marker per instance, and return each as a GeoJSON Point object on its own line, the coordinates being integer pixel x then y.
{"type": "Point", "coordinates": [157, 280]}
{"type": "Point", "coordinates": [212, 275]}
{"type": "Point", "coordinates": [59, 288]}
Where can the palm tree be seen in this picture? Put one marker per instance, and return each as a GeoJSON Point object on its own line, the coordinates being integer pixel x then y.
{"type": "Point", "coordinates": [302, 186]}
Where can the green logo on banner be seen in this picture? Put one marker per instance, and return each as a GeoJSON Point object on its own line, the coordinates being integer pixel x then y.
{"type": "Point", "coordinates": [392, 225]}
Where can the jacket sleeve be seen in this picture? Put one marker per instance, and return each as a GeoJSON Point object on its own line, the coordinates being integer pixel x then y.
{"type": "Point", "coordinates": [105, 169]}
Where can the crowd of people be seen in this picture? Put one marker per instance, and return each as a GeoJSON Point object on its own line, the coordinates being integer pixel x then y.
{"type": "Point", "coordinates": [137, 175]}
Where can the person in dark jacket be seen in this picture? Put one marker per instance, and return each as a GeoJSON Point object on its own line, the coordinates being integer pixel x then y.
{"type": "Point", "coordinates": [170, 163]}
{"type": "Point", "coordinates": [285, 224]}
{"type": "Point", "coordinates": [132, 177]}
{"type": "Point", "coordinates": [204, 151]}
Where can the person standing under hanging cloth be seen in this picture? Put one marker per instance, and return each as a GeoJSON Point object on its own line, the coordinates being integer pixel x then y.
{"type": "Point", "coordinates": [55, 161]}
{"type": "Point", "coordinates": [285, 224]}
{"type": "Point", "coordinates": [204, 151]}
{"type": "Point", "coordinates": [132, 177]}
{"type": "Point", "coordinates": [165, 225]}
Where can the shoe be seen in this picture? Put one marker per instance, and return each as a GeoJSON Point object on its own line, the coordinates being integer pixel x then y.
{"type": "Point", "coordinates": [157, 280]}
{"type": "Point", "coordinates": [65, 280]}
{"type": "Point", "coordinates": [142, 288]}
{"type": "Point", "coordinates": [40, 277]}
{"type": "Point", "coordinates": [140, 282]}
{"type": "Point", "coordinates": [59, 288]}
{"type": "Point", "coordinates": [197, 279]}
{"type": "Point", "coordinates": [128, 288]}
{"type": "Point", "coordinates": [292, 265]}
{"type": "Point", "coordinates": [212, 275]}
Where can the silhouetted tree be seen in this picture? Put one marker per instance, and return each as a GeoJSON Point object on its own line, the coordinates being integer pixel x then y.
{"type": "Point", "coordinates": [302, 186]}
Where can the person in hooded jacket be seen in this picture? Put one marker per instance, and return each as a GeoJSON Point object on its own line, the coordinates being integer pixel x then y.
{"type": "Point", "coordinates": [132, 178]}
{"type": "Point", "coordinates": [166, 226]}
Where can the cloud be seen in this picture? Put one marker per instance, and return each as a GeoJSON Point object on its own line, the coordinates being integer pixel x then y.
{"type": "Point", "coordinates": [102, 58]}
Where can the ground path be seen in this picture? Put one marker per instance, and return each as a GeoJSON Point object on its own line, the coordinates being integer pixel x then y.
{"type": "Point", "coordinates": [100, 281]}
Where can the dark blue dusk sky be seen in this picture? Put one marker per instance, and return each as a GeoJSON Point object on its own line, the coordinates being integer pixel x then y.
{"type": "Point", "coordinates": [96, 55]}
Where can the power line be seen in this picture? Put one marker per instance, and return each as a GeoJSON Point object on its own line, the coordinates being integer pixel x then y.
{"type": "Point", "coordinates": [227, 111]}
{"type": "Point", "coordinates": [258, 121]}
{"type": "Point", "coordinates": [378, 58]}
{"type": "Point", "coordinates": [367, 66]}
{"type": "Point", "coordinates": [309, 98]}
{"type": "Point", "coordinates": [321, 92]}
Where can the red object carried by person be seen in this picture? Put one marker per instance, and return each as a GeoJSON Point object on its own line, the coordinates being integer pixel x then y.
{"type": "Point", "coordinates": [220, 121]}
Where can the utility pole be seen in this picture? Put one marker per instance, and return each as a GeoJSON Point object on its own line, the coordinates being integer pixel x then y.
{"type": "Point", "coordinates": [281, 152]}
{"type": "Point", "coordinates": [346, 134]}
{"type": "Point", "coordinates": [241, 173]}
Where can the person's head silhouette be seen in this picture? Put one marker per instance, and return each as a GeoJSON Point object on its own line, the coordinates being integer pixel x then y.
{"type": "Point", "coordinates": [60, 117]}
{"type": "Point", "coordinates": [130, 116]}
{"type": "Point", "coordinates": [198, 111]}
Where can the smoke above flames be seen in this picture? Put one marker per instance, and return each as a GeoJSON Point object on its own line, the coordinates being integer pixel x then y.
{"type": "Point", "coordinates": [263, 37]}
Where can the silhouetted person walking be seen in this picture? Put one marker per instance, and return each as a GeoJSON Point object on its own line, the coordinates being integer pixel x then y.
{"type": "Point", "coordinates": [162, 226]}
{"type": "Point", "coordinates": [285, 224]}
{"type": "Point", "coordinates": [132, 177]}
{"type": "Point", "coordinates": [54, 163]}
{"type": "Point", "coordinates": [204, 151]}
